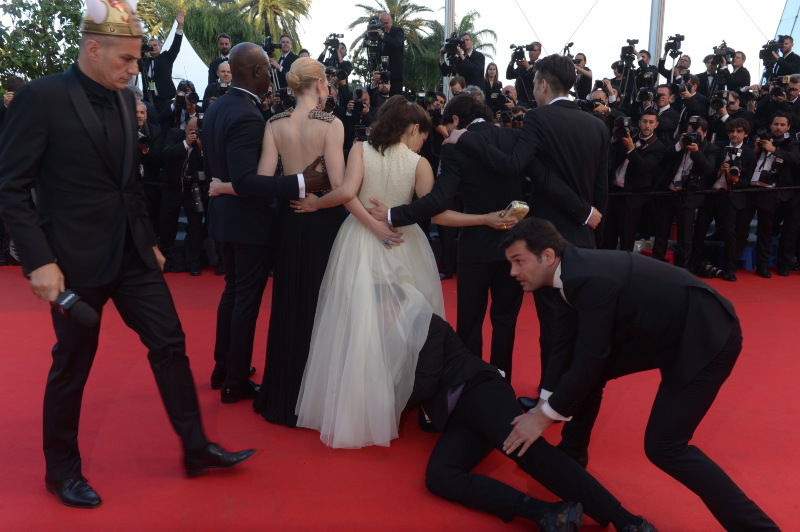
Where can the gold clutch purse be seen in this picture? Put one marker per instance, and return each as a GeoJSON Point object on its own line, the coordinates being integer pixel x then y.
{"type": "Point", "coordinates": [516, 210]}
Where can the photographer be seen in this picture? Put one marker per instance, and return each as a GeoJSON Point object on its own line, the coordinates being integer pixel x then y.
{"type": "Point", "coordinates": [492, 83]}
{"type": "Point", "coordinates": [284, 62]}
{"type": "Point", "coordinates": [335, 60]}
{"type": "Point", "coordinates": [678, 72]}
{"type": "Point", "coordinates": [185, 187]}
{"type": "Point", "coordinates": [777, 155]}
{"type": "Point", "coordinates": [712, 80]}
{"type": "Point", "coordinates": [646, 74]}
{"type": "Point", "coordinates": [522, 70]}
{"type": "Point", "coordinates": [358, 113]}
{"type": "Point", "coordinates": [783, 96]}
{"type": "Point", "coordinates": [182, 108]}
{"type": "Point", "coordinates": [219, 87]}
{"type": "Point", "coordinates": [379, 91]}
{"type": "Point", "coordinates": [688, 167]}
{"type": "Point", "coordinates": [469, 62]}
{"type": "Point", "coordinates": [158, 68]}
{"type": "Point", "coordinates": [148, 159]}
{"type": "Point", "coordinates": [583, 81]}
{"type": "Point", "coordinates": [224, 45]}
{"type": "Point", "coordinates": [727, 106]}
{"type": "Point", "coordinates": [739, 78]}
{"type": "Point", "coordinates": [597, 105]}
{"type": "Point", "coordinates": [391, 40]}
{"type": "Point", "coordinates": [668, 117]}
{"type": "Point", "coordinates": [623, 83]}
{"type": "Point", "coordinates": [735, 164]}
{"type": "Point", "coordinates": [635, 161]}
{"type": "Point", "coordinates": [689, 102]}
{"type": "Point", "coordinates": [789, 62]}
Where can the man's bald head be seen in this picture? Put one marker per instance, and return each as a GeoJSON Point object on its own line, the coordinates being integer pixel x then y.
{"type": "Point", "coordinates": [249, 67]}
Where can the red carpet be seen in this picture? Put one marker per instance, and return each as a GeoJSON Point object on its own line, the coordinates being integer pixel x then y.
{"type": "Point", "coordinates": [132, 457]}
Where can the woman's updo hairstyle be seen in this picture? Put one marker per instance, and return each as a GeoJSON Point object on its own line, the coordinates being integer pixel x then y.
{"type": "Point", "coordinates": [304, 73]}
{"type": "Point", "coordinates": [394, 118]}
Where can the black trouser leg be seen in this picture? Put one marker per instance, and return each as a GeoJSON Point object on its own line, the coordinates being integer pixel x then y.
{"type": "Point", "coordinates": [145, 304]}
{"type": "Point", "coordinates": [472, 289]}
{"type": "Point", "coordinates": [727, 216]}
{"type": "Point", "coordinates": [503, 311]}
{"type": "Point", "coordinates": [790, 233]}
{"type": "Point", "coordinates": [701, 224]}
{"type": "Point", "coordinates": [577, 433]}
{"type": "Point", "coordinates": [665, 216]}
{"type": "Point", "coordinates": [194, 229]}
{"type": "Point", "coordinates": [168, 217]}
{"type": "Point", "coordinates": [557, 323]}
{"type": "Point", "coordinates": [673, 420]}
{"type": "Point", "coordinates": [685, 216]}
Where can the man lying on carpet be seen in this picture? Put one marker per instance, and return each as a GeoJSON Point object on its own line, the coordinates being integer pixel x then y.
{"type": "Point", "coordinates": [473, 406]}
{"type": "Point", "coordinates": [634, 313]}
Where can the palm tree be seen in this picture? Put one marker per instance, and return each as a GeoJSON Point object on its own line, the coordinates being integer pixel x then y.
{"type": "Point", "coordinates": [205, 21]}
{"type": "Point", "coordinates": [277, 17]}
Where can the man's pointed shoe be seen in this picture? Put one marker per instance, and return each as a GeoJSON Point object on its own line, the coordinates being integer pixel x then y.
{"type": "Point", "coordinates": [74, 492]}
{"type": "Point", "coordinates": [213, 456]}
{"type": "Point", "coordinates": [566, 517]}
{"type": "Point", "coordinates": [646, 526]}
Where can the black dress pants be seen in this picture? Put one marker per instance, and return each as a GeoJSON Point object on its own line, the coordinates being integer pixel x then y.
{"type": "Point", "coordinates": [621, 225]}
{"type": "Point", "coordinates": [790, 234]}
{"type": "Point", "coordinates": [475, 282]}
{"type": "Point", "coordinates": [143, 300]}
{"type": "Point", "coordinates": [480, 422]}
{"type": "Point", "coordinates": [765, 205]}
{"type": "Point", "coordinates": [675, 415]}
{"type": "Point", "coordinates": [673, 208]}
{"type": "Point", "coordinates": [172, 199]}
{"type": "Point", "coordinates": [246, 273]}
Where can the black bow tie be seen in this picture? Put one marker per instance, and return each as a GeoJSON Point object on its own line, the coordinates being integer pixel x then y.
{"type": "Point", "coordinates": [224, 59]}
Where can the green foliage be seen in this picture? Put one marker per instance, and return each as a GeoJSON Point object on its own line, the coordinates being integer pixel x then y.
{"type": "Point", "coordinates": [275, 17]}
{"type": "Point", "coordinates": [42, 39]}
{"type": "Point", "coordinates": [205, 21]}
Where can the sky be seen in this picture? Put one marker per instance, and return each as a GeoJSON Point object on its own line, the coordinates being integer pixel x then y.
{"type": "Point", "coordinates": [599, 28]}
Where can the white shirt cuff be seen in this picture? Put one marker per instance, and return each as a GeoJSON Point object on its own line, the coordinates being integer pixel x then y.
{"type": "Point", "coordinates": [301, 185]}
{"type": "Point", "coordinates": [186, 145]}
{"type": "Point", "coordinates": [552, 414]}
{"type": "Point", "coordinates": [389, 219]}
{"type": "Point", "coordinates": [545, 394]}
{"type": "Point", "coordinates": [178, 32]}
{"type": "Point", "coordinates": [586, 221]}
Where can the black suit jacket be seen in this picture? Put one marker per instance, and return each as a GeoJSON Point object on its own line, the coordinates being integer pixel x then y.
{"type": "Point", "coordinates": [634, 314]}
{"type": "Point", "coordinates": [392, 45]}
{"type": "Point", "coordinates": [151, 161]}
{"type": "Point", "coordinates": [788, 65]}
{"type": "Point", "coordinates": [88, 199]}
{"type": "Point", "coordinates": [559, 142]}
{"type": "Point", "coordinates": [286, 64]}
{"type": "Point", "coordinates": [177, 161]}
{"type": "Point", "coordinates": [444, 363]}
{"type": "Point", "coordinates": [523, 81]}
{"type": "Point", "coordinates": [480, 193]}
{"type": "Point", "coordinates": [233, 129]}
{"type": "Point", "coordinates": [472, 68]}
{"type": "Point", "coordinates": [703, 169]}
{"type": "Point", "coordinates": [643, 171]}
{"type": "Point", "coordinates": [734, 81]}
{"type": "Point", "coordinates": [748, 165]}
{"type": "Point", "coordinates": [212, 69]}
{"type": "Point", "coordinates": [162, 68]}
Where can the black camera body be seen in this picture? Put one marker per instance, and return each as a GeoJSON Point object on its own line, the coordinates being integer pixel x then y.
{"type": "Point", "coordinates": [646, 94]}
{"type": "Point", "coordinates": [678, 88]}
{"type": "Point", "coordinates": [146, 47]}
{"type": "Point", "coordinates": [673, 45]}
{"type": "Point", "coordinates": [627, 54]}
{"type": "Point", "coordinates": [765, 54]}
{"type": "Point", "coordinates": [144, 138]}
{"type": "Point", "coordinates": [268, 46]}
{"type": "Point", "coordinates": [452, 43]}
{"type": "Point", "coordinates": [690, 137]}
{"type": "Point", "coordinates": [519, 51]}
{"type": "Point", "coordinates": [222, 88]}
{"type": "Point", "coordinates": [734, 156]}
{"type": "Point", "coordinates": [719, 99]}
{"type": "Point", "coordinates": [723, 51]}
{"type": "Point", "coordinates": [779, 85]}
{"type": "Point", "coordinates": [623, 126]}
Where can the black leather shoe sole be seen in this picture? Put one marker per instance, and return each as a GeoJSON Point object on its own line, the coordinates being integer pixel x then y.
{"type": "Point", "coordinates": [215, 458]}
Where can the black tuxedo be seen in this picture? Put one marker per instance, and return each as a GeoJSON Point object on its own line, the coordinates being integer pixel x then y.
{"type": "Point", "coordinates": [523, 82]}
{"type": "Point", "coordinates": [625, 212]}
{"type": "Point", "coordinates": [787, 65]}
{"type": "Point", "coordinates": [162, 73]}
{"type": "Point", "coordinates": [717, 128]}
{"type": "Point", "coordinates": [564, 151]}
{"type": "Point", "coordinates": [233, 130]}
{"type": "Point", "coordinates": [628, 323]}
{"type": "Point", "coordinates": [468, 401]}
{"type": "Point", "coordinates": [286, 64]}
{"type": "Point", "coordinates": [735, 80]}
{"type": "Point", "coordinates": [482, 266]}
{"type": "Point", "coordinates": [471, 68]}
{"type": "Point", "coordinates": [212, 69]}
{"type": "Point", "coordinates": [350, 121]}
{"type": "Point", "coordinates": [711, 83]}
{"type": "Point", "coordinates": [90, 217]}
{"type": "Point", "coordinates": [392, 44]}
{"type": "Point", "coordinates": [150, 170]}
{"type": "Point", "coordinates": [683, 204]}
{"type": "Point", "coordinates": [179, 171]}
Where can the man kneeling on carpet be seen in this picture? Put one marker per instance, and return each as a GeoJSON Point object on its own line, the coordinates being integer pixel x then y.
{"type": "Point", "coordinates": [473, 406]}
{"type": "Point", "coordinates": [634, 314]}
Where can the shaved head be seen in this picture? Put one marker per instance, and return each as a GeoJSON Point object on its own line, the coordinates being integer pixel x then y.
{"type": "Point", "coordinates": [249, 67]}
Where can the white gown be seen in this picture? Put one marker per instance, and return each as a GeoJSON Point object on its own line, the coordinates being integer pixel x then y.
{"type": "Point", "coordinates": [372, 318]}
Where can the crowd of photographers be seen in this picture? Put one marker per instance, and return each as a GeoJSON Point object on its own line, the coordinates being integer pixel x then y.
{"type": "Point", "coordinates": [687, 149]}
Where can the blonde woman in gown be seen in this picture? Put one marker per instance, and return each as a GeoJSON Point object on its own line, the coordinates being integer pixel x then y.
{"type": "Point", "coordinates": [377, 294]}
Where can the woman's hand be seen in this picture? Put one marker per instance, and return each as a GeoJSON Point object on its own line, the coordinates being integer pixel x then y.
{"type": "Point", "coordinates": [307, 204]}
{"type": "Point", "coordinates": [218, 188]}
{"type": "Point", "coordinates": [386, 234]}
{"type": "Point", "coordinates": [495, 221]}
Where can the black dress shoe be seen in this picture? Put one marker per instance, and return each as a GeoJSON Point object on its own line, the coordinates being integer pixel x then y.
{"type": "Point", "coordinates": [445, 276]}
{"type": "Point", "coordinates": [231, 394]}
{"type": "Point", "coordinates": [527, 403]}
{"type": "Point", "coordinates": [566, 517]}
{"type": "Point", "coordinates": [763, 272]}
{"type": "Point", "coordinates": [783, 271]}
{"type": "Point", "coordinates": [74, 492]}
{"type": "Point", "coordinates": [729, 276]}
{"type": "Point", "coordinates": [213, 456]}
{"type": "Point", "coordinates": [220, 270]}
{"type": "Point", "coordinates": [646, 526]}
{"type": "Point", "coordinates": [195, 270]}
{"type": "Point", "coordinates": [219, 375]}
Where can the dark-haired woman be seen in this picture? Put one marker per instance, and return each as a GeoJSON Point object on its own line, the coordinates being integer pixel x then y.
{"type": "Point", "coordinates": [378, 293]}
{"type": "Point", "coordinates": [493, 84]}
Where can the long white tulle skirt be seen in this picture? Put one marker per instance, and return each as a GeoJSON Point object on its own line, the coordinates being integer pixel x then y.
{"type": "Point", "coordinates": [372, 319]}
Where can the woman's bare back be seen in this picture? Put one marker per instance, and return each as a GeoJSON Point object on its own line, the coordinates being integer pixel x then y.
{"type": "Point", "coordinates": [300, 138]}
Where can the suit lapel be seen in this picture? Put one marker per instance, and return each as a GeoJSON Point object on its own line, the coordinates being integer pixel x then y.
{"type": "Point", "coordinates": [89, 119]}
{"type": "Point", "coordinates": [127, 135]}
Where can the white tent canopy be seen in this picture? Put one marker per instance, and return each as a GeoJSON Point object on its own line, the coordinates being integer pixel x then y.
{"type": "Point", "coordinates": [188, 64]}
